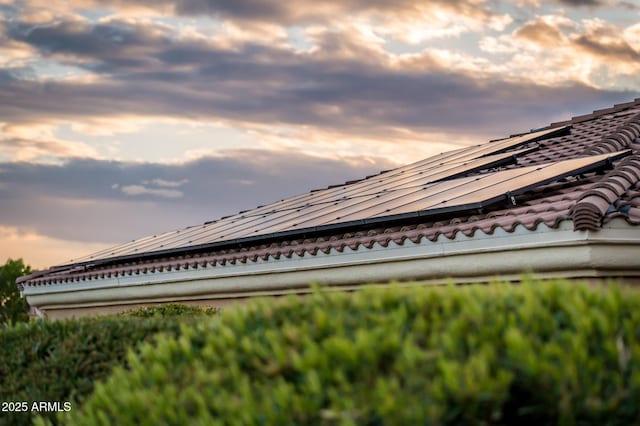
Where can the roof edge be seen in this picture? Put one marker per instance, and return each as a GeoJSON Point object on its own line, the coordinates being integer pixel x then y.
{"type": "Point", "coordinates": [559, 252]}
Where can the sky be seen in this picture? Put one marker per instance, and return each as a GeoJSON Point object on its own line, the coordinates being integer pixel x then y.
{"type": "Point", "coordinates": [125, 118]}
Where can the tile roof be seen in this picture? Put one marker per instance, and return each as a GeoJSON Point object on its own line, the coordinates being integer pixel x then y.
{"type": "Point", "coordinates": [563, 174]}
{"type": "Point", "coordinates": [604, 197]}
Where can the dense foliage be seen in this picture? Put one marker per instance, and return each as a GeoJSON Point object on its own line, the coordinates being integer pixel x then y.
{"type": "Point", "coordinates": [13, 308]}
{"type": "Point", "coordinates": [59, 361]}
{"type": "Point", "coordinates": [169, 310]}
{"type": "Point", "coordinates": [539, 353]}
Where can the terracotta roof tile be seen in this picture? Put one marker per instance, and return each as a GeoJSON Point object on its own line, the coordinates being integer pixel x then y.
{"type": "Point", "coordinates": [600, 200]}
{"type": "Point", "coordinates": [619, 139]}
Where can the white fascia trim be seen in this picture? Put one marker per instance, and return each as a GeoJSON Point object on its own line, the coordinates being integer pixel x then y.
{"type": "Point", "coordinates": [611, 251]}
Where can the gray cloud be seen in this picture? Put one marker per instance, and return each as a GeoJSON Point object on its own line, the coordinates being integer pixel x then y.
{"type": "Point", "coordinates": [599, 3]}
{"type": "Point", "coordinates": [629, 5]}
{"type": "Point", "coordinates": [289, 13]}
{"type": "Point", "coordinates": [46, 147]}
{"type": "Point", "coordinates": [84, 199]}
{"type": "Point", "coordinates": [605, 41]}
{"type": "Point", "coordinates": [148, 72]}
{"type": "Point", "coordinates": [123, 46]}
{"type": "Point", "coordinates": [618, 50]}
{"type": "Point", "coordinates": [582, 2]}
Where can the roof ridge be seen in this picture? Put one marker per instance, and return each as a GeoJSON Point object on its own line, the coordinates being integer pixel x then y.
{"type": "Point", "coordinates": [597, 113]}
{"type": "Point", "coordinates": [576, 119]}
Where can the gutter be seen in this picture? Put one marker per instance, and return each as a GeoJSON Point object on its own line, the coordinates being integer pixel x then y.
{"type": "Point", "coordinates": [545, 252]}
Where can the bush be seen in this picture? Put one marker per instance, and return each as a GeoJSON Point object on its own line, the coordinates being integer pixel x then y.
{"type": "Point", "coordinates": [13, 308]}
{"type": "Point", "coordinates": [60, 361]}
{"type": "Point", "coordinates": [540, 353]}
{"type": "Point", "coordinates": [169, 310]}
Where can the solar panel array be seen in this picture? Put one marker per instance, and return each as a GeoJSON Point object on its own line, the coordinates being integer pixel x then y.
{"type": "Point", "coordinates": [431, 186]}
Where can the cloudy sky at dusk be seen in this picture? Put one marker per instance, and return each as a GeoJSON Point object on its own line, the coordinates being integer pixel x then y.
{"type": "Point", "coordinates": [123, 118]}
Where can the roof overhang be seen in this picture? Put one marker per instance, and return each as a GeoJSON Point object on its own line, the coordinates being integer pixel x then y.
{"type": "Point", "coordinates": [610, 252]}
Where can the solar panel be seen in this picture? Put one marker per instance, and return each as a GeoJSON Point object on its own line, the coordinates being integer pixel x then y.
{"type": "Point", "coordinates": [358, 192]}
{"type": "Point", "coordinates": [469, 192]}
{"type": "Point", "coordinates": [428, 170]}
{"type": "Point", "coordinates": [280, 215]}
{"type": "Point", "coordinates": [282, 212]}
{"type": "Point", "coordinates": [424, 189]}
{"type": "Point", "coordinates": [472, 156]}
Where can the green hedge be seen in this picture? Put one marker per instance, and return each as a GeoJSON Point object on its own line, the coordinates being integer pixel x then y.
{"type": "Point", "coordinates": [169, 310]}
{"type": "Point", "coordinates": [540, 353]}
{"type": "Point", "coordinates": [59, 361]}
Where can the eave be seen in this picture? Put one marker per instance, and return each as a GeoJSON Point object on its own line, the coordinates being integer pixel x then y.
{"type": "Point", "coordinates": [610, 252]}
